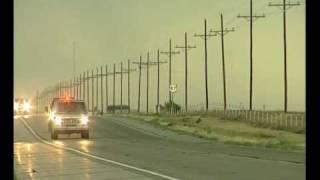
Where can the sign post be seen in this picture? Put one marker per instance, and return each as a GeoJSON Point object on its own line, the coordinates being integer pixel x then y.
{"type": "Point", "coordinates": [172, 89]}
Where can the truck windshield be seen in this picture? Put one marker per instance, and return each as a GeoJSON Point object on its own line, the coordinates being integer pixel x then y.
{"type": "Point", "coordinates": [71, 107]}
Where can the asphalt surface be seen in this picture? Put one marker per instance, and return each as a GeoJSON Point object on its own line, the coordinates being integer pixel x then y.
{"type": "Point", "coordinates": [177, 155]}
{"type": "Point", "coordinates": [35, 159]}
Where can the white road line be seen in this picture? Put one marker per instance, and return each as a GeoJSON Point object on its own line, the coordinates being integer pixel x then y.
{"type": "Point", "coordinates": [97, 157]}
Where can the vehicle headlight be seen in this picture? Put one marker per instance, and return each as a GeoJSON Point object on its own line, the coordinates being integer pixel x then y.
{"type": "Point", "coordinates": [16, 106]}
{"type": "Point", "coordinates": [26, 106]}
{"type": "Point", "coordinates": [84, 120]}
{"type": "Point", "coordinates": [57, 120]}
{"type": "Point", "coordinates": [51, 115]}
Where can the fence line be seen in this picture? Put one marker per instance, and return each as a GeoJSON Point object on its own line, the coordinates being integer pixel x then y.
{"type": "Point", "coordinates": [273, 119]}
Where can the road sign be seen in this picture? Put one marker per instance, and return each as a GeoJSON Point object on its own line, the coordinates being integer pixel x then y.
{"type": "Point", "coordinates": [173, 88]}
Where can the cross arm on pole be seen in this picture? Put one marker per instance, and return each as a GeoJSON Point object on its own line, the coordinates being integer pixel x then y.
{"type": "Point", "coordinates": [281, 5]}
{"type": "Point", "coordinates": [247, 17]}
{"type": "Point", "coordinates": [225, 31]}
{"type": "Point", "coordinates": [189, 47]}
{"type": "Point", "coordinates": [172, 52]}
{"type": "Point", "coordinates": [202, 36]}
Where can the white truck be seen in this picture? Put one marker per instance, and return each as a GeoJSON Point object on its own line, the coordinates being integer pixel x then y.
{"type": "Point", "coordinates": [68, 116]}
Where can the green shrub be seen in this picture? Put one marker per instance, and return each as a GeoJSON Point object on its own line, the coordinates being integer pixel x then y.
{"type": "Point", "coordinates": [172, 106]}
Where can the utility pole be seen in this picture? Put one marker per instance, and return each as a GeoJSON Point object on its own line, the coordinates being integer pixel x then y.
{"type": "Point", "coordinates": [251, 17]}
{"type": "Point", "coordinates": [107, 87]}
{"type": "Point", "coordinates": [186, 47]}
{"type": "Point", "coordinates": [222, 32]}
{"type": "Point", "coordinates": [67, 87]}
{"type": "Point", "coordinates": [147, 64]}
{"type": "Point", "coordinates": [63, 87]}
{"type": "Point", "coordinates": [114, 86]}
{"type": "Point", "coordinates": [92, 92]}
{"type": "Point", "coordinates": [284, 7]}
{"type": "Point", "coordinates": [139, 87]}
{"type": "Point", "coordinates": [88, 92]}
{"type": "Point", "coordinates": [128, 70]}
{"type": "Point", "coordinates": [80, 87]}
{"type": "Point", "coordinates": [97, 89]}
{"type": "Point", "coordinates": [84, 86]}
{"type": "Point", "coordinates": [158, 84]}
{"type": "Point", "coordinates": [129, 85]}
{"type": "Point", "coordinates": [74, 86]}
{"type": "Point", "coordinates": [77, 81]}
{"type": "Point", "coordinates": [101, 75]}
{"type": "Point", "coordinates": [122, 71]}
{"type": "Point", "coordinates": [121, 87]}
{"type": "Point", "coordinates": [170, 53]}
{"type": "Point", "coordinates": [147, 83]}
{"type": "Point", "coordinates": [205, 37]}
{"type": "Point", "coordinates": [101, 81]}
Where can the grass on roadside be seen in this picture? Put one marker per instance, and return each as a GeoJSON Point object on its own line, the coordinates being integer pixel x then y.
{"type": "Point", "coordinates": [228, 131]}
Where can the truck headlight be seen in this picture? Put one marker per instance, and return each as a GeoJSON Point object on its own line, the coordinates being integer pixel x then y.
{"type": "Point", "coordinates": [26, 106]}
{"type": "Point", "coordinates": [51, 115]}
{"type": "Point", "coordinates": [57, 120]}
{"type": "Point", "coordinates": [84, 120]}
{"type": "Point", "coordinates": [16, 106]}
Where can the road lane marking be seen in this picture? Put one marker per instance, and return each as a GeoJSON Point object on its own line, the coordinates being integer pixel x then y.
{"type": "Point", "coordinates": [96, 157]}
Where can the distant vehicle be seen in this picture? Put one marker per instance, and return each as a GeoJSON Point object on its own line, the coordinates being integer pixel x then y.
{"type": "Point", "coordinates": [68, 116]}
{"type": "Point", "coordinates": [22, 106]}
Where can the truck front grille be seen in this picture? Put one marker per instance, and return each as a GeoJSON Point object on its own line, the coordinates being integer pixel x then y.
{"type": "Point", "coordinates": [70, 122]}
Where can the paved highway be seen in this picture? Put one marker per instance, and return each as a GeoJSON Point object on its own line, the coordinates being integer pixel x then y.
{"type": "Point", "coordinates": [153, 153]}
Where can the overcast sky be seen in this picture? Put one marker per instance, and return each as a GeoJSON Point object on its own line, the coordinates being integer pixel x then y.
{"type": "Point", "coordinates": [111, 31]}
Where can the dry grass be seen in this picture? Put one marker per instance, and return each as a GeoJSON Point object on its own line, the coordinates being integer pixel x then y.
{"type": "Point", "coordinates": [228, 131]}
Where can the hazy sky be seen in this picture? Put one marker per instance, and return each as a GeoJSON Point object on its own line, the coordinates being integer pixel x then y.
{"type": "Point", "coordinates": [111, 31]}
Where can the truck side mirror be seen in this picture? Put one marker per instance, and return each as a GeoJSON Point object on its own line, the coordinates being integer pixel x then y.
{"type": "Point", "coordinates": [46, 108]}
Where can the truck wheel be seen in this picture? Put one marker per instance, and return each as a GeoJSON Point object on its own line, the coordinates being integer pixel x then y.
{"type": "Point", "coordinates": [54, 135]}
{"type": "Point", "coordinates": [85, 134]}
